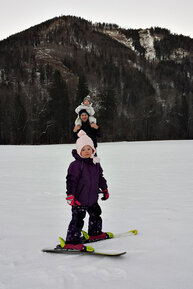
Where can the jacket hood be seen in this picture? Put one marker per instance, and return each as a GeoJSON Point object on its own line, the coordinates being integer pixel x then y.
{"type": "Point", "coordinates": [76, 155]}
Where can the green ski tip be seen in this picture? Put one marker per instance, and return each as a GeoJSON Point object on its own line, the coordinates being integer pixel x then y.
{"type": "Point", "coordinates": [134, 232]}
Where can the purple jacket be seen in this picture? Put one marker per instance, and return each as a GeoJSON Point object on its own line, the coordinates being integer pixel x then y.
{"type": "Point", "coordinates": [84, 179]}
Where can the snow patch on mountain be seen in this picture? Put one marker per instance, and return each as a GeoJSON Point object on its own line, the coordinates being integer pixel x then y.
{"type": "Point", "coordinates": [44, 56]}
{"type": "Point", "coordinates": [147, 41]}
{"type": "Point", "coordinates": [179, 54]}
{"type": "Point", "coordinates": [121, 38]}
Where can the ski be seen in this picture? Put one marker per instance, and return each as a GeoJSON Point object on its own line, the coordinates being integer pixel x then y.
{"type": "Point", "coordinates": [89, 250]}
{"type": "Point", "coordinates": [86, 237]}
{"type": "Point", "coordinates": [86, 250]}
{"type": "Point", "coordinates": [110, 253]}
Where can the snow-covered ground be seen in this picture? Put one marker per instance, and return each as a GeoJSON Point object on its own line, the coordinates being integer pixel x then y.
{"type": "Point", "coordinates": [151, 189]}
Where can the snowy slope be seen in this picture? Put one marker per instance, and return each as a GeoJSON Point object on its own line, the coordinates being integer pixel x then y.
{"type": "Point", "coordinates": [151, 189]}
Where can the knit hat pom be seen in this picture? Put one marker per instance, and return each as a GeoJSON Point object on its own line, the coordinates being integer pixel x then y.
{"type": "Point", "coordinates": [81, 133]}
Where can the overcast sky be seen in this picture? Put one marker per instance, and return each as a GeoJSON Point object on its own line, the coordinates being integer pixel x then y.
{"type": "Point", "coordinates": [175, 15]}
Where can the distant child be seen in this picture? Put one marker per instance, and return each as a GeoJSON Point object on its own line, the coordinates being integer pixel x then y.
{"type": "Point", "coordinates": [86, 105]}
{"type": "Point", "coordinates": [84, 179]}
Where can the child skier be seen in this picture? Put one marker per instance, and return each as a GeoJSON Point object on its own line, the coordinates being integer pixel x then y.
{"type": "Point", "coordinates": [84, 179]}
{"type": "Point", "coordinates": [85, 105]}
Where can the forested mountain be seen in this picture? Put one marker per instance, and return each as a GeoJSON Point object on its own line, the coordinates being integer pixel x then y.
{"type": "Point", "coordinates": [141, 82]}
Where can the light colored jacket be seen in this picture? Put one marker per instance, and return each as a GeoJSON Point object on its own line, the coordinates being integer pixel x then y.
{"type": "Point", "coordinates": [88, 108]}
{"type": "Point", "coordinates": [90, 111]}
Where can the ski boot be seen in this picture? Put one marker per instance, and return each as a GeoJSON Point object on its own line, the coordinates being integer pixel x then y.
{"type": "Point", "coordinates": [86, 238]}
{"type": "Point", "coordinates": [74, 247]}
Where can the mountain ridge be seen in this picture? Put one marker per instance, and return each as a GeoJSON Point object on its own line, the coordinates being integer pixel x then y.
{"type": "Point", "coordinates": [142, 77]}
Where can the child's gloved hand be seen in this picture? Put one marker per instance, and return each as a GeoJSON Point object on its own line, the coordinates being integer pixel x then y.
{"type": "Point", "coordinates": [72, 201]}
{"type": "Point", "coordinates": [105, 195]}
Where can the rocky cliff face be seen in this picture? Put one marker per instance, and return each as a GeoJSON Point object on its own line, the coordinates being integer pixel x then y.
{"type": "Point", "coordinates": [141, 82]}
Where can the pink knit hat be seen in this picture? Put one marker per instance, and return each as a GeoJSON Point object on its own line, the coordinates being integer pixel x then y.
{"type": "Point", "coordinates": [84, 140]}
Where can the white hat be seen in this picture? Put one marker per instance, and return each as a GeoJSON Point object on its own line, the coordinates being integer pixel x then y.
{"type": "Point", "coordinates": [84, 140]}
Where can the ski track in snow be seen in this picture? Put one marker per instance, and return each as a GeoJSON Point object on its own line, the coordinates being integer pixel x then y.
{"type": "Point", "coordinates": [150, 185]}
